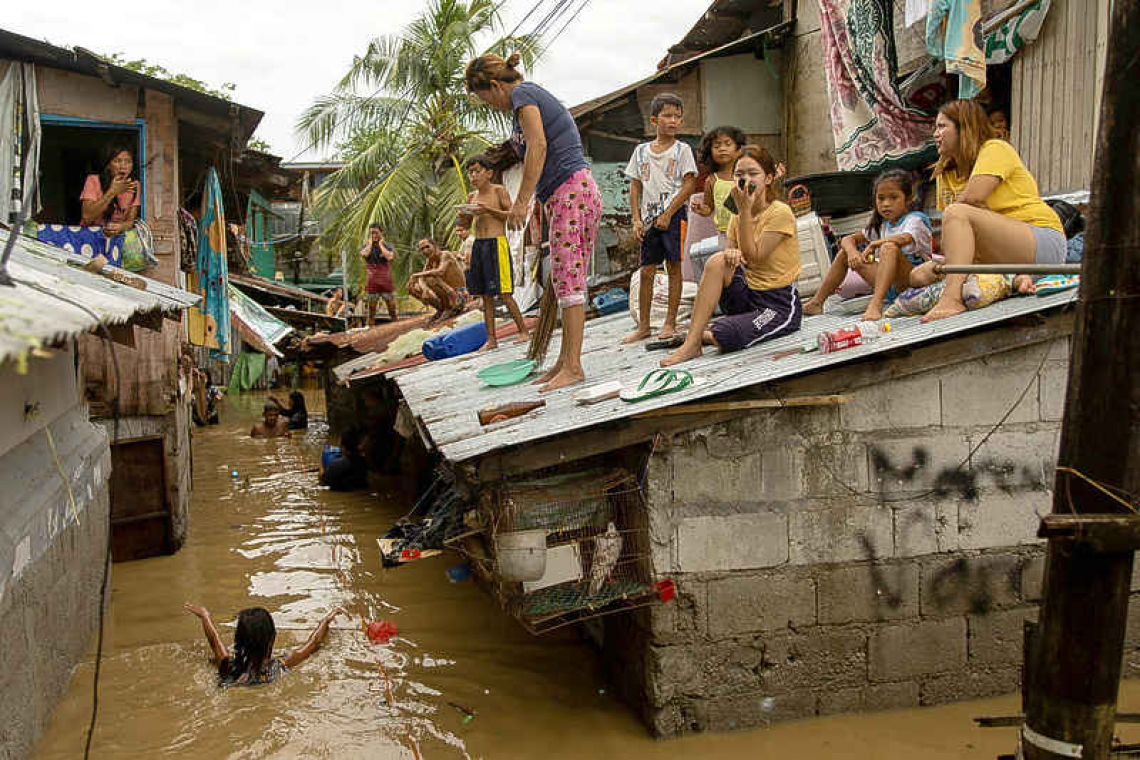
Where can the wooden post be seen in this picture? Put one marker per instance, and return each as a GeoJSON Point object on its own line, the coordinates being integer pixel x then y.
{"type": "Point", "coordinates": [1073, 668]}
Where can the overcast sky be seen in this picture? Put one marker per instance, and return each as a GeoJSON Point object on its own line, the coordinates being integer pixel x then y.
{"type": "Point", "coordinates": [282, 54]}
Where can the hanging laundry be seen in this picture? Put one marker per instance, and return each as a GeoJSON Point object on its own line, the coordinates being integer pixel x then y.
{"type": "Point", "coordinates": [210, 319]}
{"type": "Point", "coordinates": [916, 11]}
{"type": "Point", "coordinates": [869, 121]}
{"type": "Point", "coordinates": [954, 33]}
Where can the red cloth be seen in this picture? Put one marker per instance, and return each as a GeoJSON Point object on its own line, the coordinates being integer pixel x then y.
{"type": "Point", "coordinates": [379, 274]}
{"type": "Point", "coordinates": [93, 191]}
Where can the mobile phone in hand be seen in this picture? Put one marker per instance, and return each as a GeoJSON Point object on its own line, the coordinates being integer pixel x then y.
{"type": "Point", "coordinates": [730, 203]}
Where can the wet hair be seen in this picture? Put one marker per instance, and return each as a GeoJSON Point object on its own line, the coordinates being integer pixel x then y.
{"type": "Point", "coordinates": [350, 441]}
{"type": "Point", "coordinates": [974, 129]}
{"type": "Point", "coordinates": [429, 240]}
{"type": "Point", "coordinates": [902, 178]}
{"type": "Point", "coordinates": [704, 153]}
{"type": "Point", "coordinates": [665, 99]}
{"type": "Point", "coordinates": [481, 159]}
{"type": "Point", "coordinates": [297, 403]}
{"type": "Point", "coordinates": [106, 176]}
{"type": "Point", "coordinates": [253, 645]}
{"type": "Point", "coordinates": [270, 408]}
{"type": "Point", "coordinates": [760, 155]}
{"type": "Point", "coordinates": [483, 71]}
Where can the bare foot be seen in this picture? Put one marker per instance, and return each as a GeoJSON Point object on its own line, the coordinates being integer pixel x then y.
{"type": "Point", "coordinates": [641, 333]}
{"type": "Point", "coordinates": [943, 309]}
{"type": "Point", "coordinates": [523, 337]}
{"type": "Point", "coordinates": [562, 380]}
{"type": "Point", "coordinates": [549, 374]}
{"type": "Point", "coordinates": [667, 332]}
{"type": "Point", "coordinates": [488, 346]}
{"type": "Point", "coordinates": [873, 312]}
{"type": "Point", "coordinates": [1024, 285]}
{"type": "Point", "coordinates": [811, 308]}
{"type": "Point", "coordinates": [682, 354]}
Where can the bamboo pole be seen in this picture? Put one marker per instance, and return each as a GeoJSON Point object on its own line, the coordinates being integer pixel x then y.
{"type": "Point", "coordinates": [1073, 662]}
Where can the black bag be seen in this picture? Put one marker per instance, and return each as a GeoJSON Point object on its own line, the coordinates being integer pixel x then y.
{"type": "Point", "coordinates": [1071, 219]}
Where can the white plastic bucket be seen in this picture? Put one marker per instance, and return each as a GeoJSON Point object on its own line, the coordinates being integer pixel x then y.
{"type": "Point", "coordinates": [521, 555]}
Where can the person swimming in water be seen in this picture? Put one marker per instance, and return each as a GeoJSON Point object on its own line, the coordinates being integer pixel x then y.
{"type": "Point", "coordinates": [272, 424]}
{"type": "Point", "coordinates": [252, 661]}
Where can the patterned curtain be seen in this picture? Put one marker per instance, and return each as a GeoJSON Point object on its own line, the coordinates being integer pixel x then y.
{"type": "Point", "coordinates": [872, 126]}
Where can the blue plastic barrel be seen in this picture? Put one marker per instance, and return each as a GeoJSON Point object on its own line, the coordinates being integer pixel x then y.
{"type": "Point", "coordinates": [461, 340]}
{"type": "Point", "coordinates": [612, 301]}
{"type": "Point", "coordinates": [330, 454]}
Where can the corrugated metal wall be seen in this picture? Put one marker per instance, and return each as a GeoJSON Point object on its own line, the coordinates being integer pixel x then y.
{"type": "Point", "coordinates": [1056, 95]}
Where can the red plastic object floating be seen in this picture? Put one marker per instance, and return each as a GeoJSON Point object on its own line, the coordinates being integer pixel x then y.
{"type": "Point", "coordinates": [380, 631]}
{"type": "Point", "coordinates": [407, 554]}
{"type": "Point", "coordinates": [666, 589]}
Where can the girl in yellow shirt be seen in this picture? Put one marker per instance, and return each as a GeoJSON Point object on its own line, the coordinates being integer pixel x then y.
{"type": "Point", "coordinates": [992, 210]}
{"type": "Point", "coordinates": [754, 279]}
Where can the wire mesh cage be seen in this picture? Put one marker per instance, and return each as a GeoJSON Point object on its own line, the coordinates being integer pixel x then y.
{"type": "Point", "coordinates": [597, 547]}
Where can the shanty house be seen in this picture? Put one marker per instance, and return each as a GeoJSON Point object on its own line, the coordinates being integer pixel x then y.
{"type": "Point", "coordinates": [60, 475]}
{"type": "Point", "coordinates": [69, 107]}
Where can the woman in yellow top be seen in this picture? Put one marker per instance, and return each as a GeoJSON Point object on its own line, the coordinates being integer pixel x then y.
{"type": "Point", "coordinates": [992, 210]}
{"type": "Point", "coordinates": [754, 279]}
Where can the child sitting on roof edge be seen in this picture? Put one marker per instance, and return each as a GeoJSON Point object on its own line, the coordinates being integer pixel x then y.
{"type": "Point", "coordinates": [663, 174]}
{"type": "Point", "coordinates": [894, 242]}
{"type": "Point", "coordinates": [754, 279]}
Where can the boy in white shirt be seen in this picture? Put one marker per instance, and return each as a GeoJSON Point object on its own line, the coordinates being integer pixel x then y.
{"type": "Point", "coordinates": [663, 174]}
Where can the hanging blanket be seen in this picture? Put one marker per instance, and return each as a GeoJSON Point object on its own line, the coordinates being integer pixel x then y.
{"type": "Point", "coordinates": [248, 369]}
{"type": "Point", "coordinates": [210, 319]}
{"type": "Point", "coordinates": [954, 33]}
{"type": "Point", "coordinates": [869, 121]}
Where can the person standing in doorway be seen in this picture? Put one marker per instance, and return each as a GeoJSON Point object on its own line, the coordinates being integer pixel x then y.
{"type": "Point", "coordinates": [378, 256]}
{"type": "Point", "coordinates": [546, 138]}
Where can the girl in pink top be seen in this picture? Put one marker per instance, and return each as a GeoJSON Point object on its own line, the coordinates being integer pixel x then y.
{"type": "Point", "coordinates": [116, 208]}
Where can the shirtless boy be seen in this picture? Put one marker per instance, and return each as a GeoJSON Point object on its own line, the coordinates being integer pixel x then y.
{"type": "Point", "coordinates": [490, 274]}
{"type": "Point", "coordinates": [272, 424]}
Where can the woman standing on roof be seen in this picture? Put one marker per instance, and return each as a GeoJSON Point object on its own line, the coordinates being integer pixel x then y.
{"type": "Point", "coordinates": [992, 210]}
{"type": "Point", "coordinates": [546, 138]}
{"type": "Point", "coordinates": [111, 198]}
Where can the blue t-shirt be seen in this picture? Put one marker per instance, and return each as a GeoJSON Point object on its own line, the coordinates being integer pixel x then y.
{"type": "Point", "coordinates": [564, 154]}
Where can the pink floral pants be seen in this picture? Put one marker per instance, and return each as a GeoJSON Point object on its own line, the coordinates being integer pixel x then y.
{"type": "Point", "coordinates": [574, 211]}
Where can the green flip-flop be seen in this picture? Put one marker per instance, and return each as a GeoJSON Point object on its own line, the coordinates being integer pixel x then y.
{"type": "Point", "coordinates": [657, 383]}
{"type": "Point", "coordinates": [507, 373]}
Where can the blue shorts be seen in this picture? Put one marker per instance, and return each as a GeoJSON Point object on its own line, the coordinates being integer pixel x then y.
{"type": "Point", "coordinates": [754, 316]}
{"type": "Point", "coordinates": [663, 245]}
{"type": "Point", "coordinates": [490, 273]}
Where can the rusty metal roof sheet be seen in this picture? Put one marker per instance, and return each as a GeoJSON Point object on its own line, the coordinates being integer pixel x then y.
{"type": "Point", "coordinates": [451, 421]}
{"type": "Point", "coordinates": [30, 318]}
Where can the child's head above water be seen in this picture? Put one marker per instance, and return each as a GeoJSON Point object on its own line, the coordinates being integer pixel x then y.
{"type": "Point", "coordinates": [253, 644]}
{"type": "Point", "coordinates": [891, 194]}
{"type": "Point", "coordinates": [719, 147]}
{"type": "Point", "coordinates": [667, 114]}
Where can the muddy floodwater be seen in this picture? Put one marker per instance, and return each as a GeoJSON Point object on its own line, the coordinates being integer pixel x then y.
{"type": "Point", "coordinates": [272, 537]}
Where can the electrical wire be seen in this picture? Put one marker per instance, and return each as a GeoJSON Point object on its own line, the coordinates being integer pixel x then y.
{"type": "Point", "coordinates": [577, 13]}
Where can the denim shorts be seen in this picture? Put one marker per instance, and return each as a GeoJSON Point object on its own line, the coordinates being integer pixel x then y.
{"type": "Point", "coordinates": [1051, 245]}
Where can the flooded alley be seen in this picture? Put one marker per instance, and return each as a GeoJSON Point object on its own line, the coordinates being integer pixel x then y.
{"type": "Point", "coordinates": [270, 536]}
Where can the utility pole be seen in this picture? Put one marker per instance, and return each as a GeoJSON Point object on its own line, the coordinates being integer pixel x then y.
{"type": "Point", "coordinates": [1073, 662]}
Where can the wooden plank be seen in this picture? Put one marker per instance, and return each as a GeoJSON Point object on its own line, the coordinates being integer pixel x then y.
{"type": "Point", "coordinates": [733, 406]}
{"type": "Point", "coordinates": [139, 499]}
{"type": "Point", "coordinates": [1103, 534]}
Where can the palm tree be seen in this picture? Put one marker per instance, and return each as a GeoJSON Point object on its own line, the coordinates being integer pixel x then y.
{"type": "Point", "coordinates": [407, 140]}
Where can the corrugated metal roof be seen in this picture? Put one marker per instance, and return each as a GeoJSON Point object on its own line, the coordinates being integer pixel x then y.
{"type": "Point", "coordinates": [30, 318]}
{"type": "Point", "coordinates": [450, 416]}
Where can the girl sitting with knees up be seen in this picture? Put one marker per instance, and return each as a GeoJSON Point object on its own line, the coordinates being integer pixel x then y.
{"type": "Point", "coordinates": [885, 252]}
{"type": "Point", "coordinates": [252, 661]}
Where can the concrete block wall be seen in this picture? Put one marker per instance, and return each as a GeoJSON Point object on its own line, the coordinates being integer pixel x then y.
{"type": "Point", "coordinates": [873, 555]}
{"type": "Point", "coordinates": [51, 568]}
